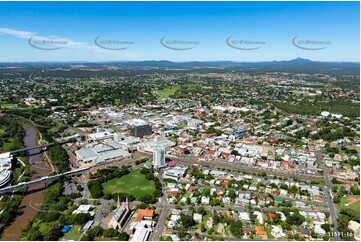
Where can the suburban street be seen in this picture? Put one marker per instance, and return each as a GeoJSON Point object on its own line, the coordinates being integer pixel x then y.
{"type": "Point", "coordinates": [327, 189]}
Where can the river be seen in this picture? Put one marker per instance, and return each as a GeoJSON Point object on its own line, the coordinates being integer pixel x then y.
{"type": "Point", "coordinates": [34, 197]}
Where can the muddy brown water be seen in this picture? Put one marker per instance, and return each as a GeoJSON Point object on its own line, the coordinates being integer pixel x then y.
{"type": "Point", "coordinates": [34, 197]}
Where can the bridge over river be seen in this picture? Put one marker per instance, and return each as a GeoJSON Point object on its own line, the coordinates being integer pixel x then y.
{"type": "Point", "coordinates": [39, 181]}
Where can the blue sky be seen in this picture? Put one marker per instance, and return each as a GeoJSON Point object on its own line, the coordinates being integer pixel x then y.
{"type": "Point", "coordinates": [208, 24]}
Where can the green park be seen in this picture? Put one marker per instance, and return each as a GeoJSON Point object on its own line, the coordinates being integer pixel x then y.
{"type": "Point", "coordinates": [134, 184]}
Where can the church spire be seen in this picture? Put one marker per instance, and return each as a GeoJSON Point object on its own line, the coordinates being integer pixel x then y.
{"type": "Point", "coordinates": [126, 203]}
{"type": "Point", "coordinates": [118, 202]}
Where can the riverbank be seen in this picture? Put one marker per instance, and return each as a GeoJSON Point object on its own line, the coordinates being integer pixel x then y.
{"type": "Point", "coordinates": [33, 197]}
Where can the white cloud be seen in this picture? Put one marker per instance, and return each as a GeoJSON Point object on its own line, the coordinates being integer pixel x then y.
{"type": "Point", "coordinates": [69, 42]}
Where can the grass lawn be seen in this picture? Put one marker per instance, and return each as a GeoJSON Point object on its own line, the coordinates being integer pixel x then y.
{"type": "Point", "coordinates": [269, 234]}
{"type": "Point", "coordinates": [7, 145]}
{"type": "Point", "coordinates": [73, 233]}
{"type": "Point", "coordinates": [134, 184]}
{"type": "Point", "coordinates": [354, 206]}
{"type": "Point", "coordinates": [106, 239]}
{"type": "Point", "coordinates": [166, 92]}
{"type": "Point", "coordinates": [8, 105]}
{"type": "Point", "coordinates": [353, 147]}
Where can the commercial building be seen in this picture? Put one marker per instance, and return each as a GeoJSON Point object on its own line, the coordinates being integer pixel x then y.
{"type": "Point", "coordinates": [141, 233]}
{"type": "Point", "coordinates": [100, 134]}
{"type": "Point", "coordinates": [239, 132]}
{"type": "Point", "coordinates": [139, 127]}
{"type": "Point", "coordinates": [149, 146]}
{"type": "Point", "coordinates": [175, 173]}
{"type": "Point", "coordinates": [101, 153]}
{"type": "Point", "coordinates": [142, 225]}
{"type": "Point", "coordinates": [159, 157]}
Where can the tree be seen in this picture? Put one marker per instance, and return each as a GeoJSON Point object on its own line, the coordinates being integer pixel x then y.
{"type": "Point", "coordinates": [81, 218]}
{"type": "Point", "coordinates": [85, 238]}
{"type": "Point", "coordinates": [110, 233]}
{"type": "Point", "coordinates": [355, 190]}
{"type": "Point", "coordinates": [123, 236]}
{"type": "Point", "coordinates": [53, 233]}
{"type": "Point", "coordinates": [326, 227]}
{"type": "Point", "coordinates": [187, 221]}
{"type": "Point", "coordinates": [343, 221]}
{"type": "Point", "coordinates": [95, 231]}
{"type": "Point", "coordinates": [35, 235]}
{"type": "Point", "coordinates": [295, 219]}
{"type": "Point", "coordinates": [203, 229]}
{"type": "Point", "coordinates": [167, 238]}
{"type": "Point", "coordinates": [235, 152]}
{"type": "Point", "coordinates": [236, 228]}
{"type": "Point", "coordinates": [201, 210]}
{"type": "Point", "coordinates": [96, 191]}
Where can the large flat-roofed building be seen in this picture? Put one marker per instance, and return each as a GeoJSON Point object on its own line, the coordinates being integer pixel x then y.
{"type": "Point", "coordinates": [101, 133]}
{"type": "Point", "coordinates": [149, 146]}
{"type": "Point", "coordinates": [141, 227]}
{"type": "Point", "coordinates": [175, 173]}
{"type": "Point", "coordinates": [139, 127]}
{"type": "Point", "coordinates": [101, 153]}
{"type": "Point", "coordinates": [141, 233]}
{"type": "Point", "coordinates": [130, 143]}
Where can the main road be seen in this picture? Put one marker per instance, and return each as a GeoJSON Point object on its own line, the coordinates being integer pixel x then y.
{"type": "Point", "coordinates": [188, 161]}
{"type": "Point", "coordinates": [327, 188]}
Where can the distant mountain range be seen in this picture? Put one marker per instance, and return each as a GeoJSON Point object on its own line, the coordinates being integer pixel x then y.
{"type": "Point", "coordinates": [298, 65]}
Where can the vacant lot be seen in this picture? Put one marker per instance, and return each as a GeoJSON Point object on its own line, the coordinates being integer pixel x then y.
{"type": "Point", "coordinates": [134, 184]}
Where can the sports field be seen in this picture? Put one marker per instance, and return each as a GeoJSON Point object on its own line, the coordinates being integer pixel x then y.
{"type": "Point", "coordinates": [166, 92]}
{"type": "Point", "coordinates": [352, 202]}
{"type": "Point", "coordinates": [134, 184]}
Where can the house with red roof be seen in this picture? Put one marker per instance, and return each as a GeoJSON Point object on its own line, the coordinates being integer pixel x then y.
{"type": "Point", "coordinates": [261, 232]}
{"type": "Point", "coordinates": [284, 164]}
{"type": "Point", "coordinates": [272, 215]}
{"type": "Point", "coordinates": [192, 188]}
{"type": "Point", "coordinates": [318, 199]}
{"type": "Point", "coordinates": [276, 191]}
{"type": "Point", "coordinates": [171, 164]}
{"type": "Point", "coordinates": [225, 155]}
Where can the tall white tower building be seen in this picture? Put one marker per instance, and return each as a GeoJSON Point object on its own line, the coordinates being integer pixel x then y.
{"type": "Point", "coordinates": [159, 157]}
